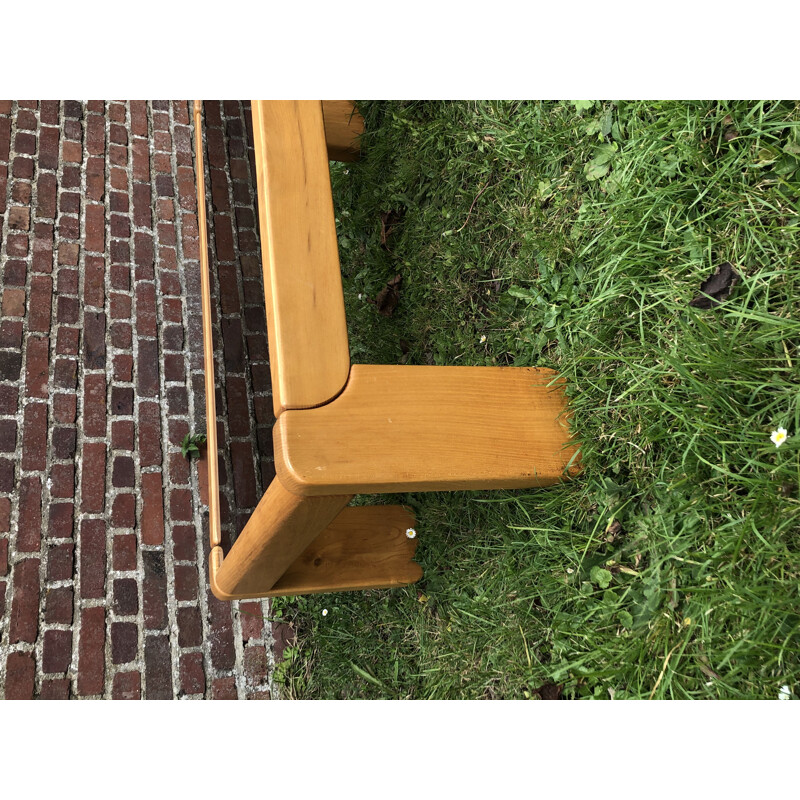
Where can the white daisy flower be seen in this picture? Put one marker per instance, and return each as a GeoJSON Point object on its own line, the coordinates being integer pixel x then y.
{"type": "Point", "coordinates": [324, 612]}
{"type": "Point", "coordinates": [784, 693]}
{"type": "Point", "coordinates": [483, 339]}
{"type": "Point", "coordinates": [411, 533]}
{"type": "Point", "coordinates": [778, 437]}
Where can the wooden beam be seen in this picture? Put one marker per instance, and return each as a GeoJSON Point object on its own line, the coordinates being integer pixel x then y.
{"type": "Point", "coordinates": [278, 531]}
{"type": "Point", "coordinates": [343, 126]}
{"type": "Point", "coordinates": [365, 547]}
{"type": "Point", "coordinates": [214, 530]}
{"type": "Point", "coordinates": [408, 428]}
{"type": "Point", "coordinates": [307, 330]}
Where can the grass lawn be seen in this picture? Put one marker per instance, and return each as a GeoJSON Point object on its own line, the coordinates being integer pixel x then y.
{"type": "Point", "coordinates": [574, 235]}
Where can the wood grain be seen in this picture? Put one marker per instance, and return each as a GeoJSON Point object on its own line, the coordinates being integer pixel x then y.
{"type": "Point", "coordinates": [307, 330]}
{"type": "Point", "coordinates": [278, 531]}
{"type": "Point", "coordinates": [407, 428]}
{"type": "Point", "coordinates": [363, 548]}
{"type": "Point", "coordinates": [208, 341]}
{"type": "Point", "coordinates": [343, 126]}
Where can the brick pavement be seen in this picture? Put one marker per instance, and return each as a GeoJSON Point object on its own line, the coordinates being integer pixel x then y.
{"type": "Point", "coordinates": [103, 530]}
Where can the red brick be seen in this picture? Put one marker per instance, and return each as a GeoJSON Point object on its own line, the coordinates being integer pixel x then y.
{"type": "Point", "coordinates": [93, 283]}
{"type": "Point", "coordinates": [238, 411]}
{"type": "Point", "coordinates": [64, 442]}
{"type": "Point", "coordinates": [158, 668]}
{"type": "Point", "coordinates": [71, 152]}
{"type": "Point", "coordinates": [244, 482]}
{"type": "Point", "coordinates": [93, 471]}
{"type": "Point", "coordinates": [192, 675]}
{"type": "Point", "coordinates": [121, 400]}
{"type": "Point", "coordinates": [154, 590]}
{"type": "Point", "coordinates": [49, 112]}
{"type": "Point", "coordinates": [162, 163]}
{"type": "Point", "coordinates": [42, 247]}
{"type": "Point", "coordinates": [67, 310]}
{"type": "Point", "coordinates": [65, 374]}
{"type": "Point", "coordinates": [146, 309]}
{"type": "Point", "coordinates": [152, 523]}
{"type": "Point", "coordinates": [118, 178]}
{"type": "Point", "coordinates": [17, 245]}
{"type": "Point", "coordinates": [120, 274]}
{"type": "Point", "coordinates": [223, 654]}
{"type": "Point", "coordinates": [172, 310]}
{"type": "Point", "coordinates": [19, 218]}
{"type": "Point", "coordinates": [224, 689]}
{"type": "Point", "coordinates": [117, 154]}
{"type": "Point", "coordinates": [95, 179]}
{"type": "Point", "coordinates": [41, 293]}
{"type": "Point", "coordinates": [5, 517]}
{"type": "Point", "coordinates": [57, 651]}
{"type": "Point", "coordinates": [251, 617]}
{"type": "Point", "coordinates": [120, 226]}
{"type": "Point", "coordinates": [184, 543]}
{"type": "Point", "coordinates": [34, 437]}
{"type": "Point", "coordinates": [60, 561]}
{"type": "Point", "coordinates": [124, 642]}
{"type": "Point", "coordinates": [67, 281]}
{"type": "Point", "coordinates": [30, 514]}
{"type": "Point", "coordinates": [25, 143]}
{"type": "Point", "coordinates": [94, 341]}
{"type": "Point", "coordinates": [139, 117]}
{"type": "Point", "coordinates": [148, 363]}
{"type": "Point", "coordinates": [255, 664]}
{"type": "Point", "coordinates": [180, 505]}
{"type": "Point", "coordinates": [95, 228]}
{"type": "Point", "coordinates": [191, 246]}
{"type": "Point", "coordinates": [172, 337]}
{"type": "Point", "coordinates": [123, 367]}
{"type": "Point", "coordinates": [93, 558]}
{"type": "Point", "coordinates": [126, 596]}
{"type": "Point", "coordinates": [70, 177]}
{"type": "Point", "coordinates": [179, 470]}
{"type": "Point", "coordinates": [149, 434]}
{"type": "Point", "coordinates": [122, 434]}
{"type": "Point", "coordinates": [69, 227]}
{"type": "Point", "coordinates": [190, 627]}
{"type": "Point", "coordinates": [59, 607]}
{"type": "Point", "coordinates": [124, 552]}
{"type": "Point", "coordinates": [24, 623]}
{"type": "Point", "coordinates": [170, 284]}
{"type": "Point", "coordinates": [62, 477]}
{"type": "Point", "coordinates": [121, 335]}
{"type": "Point", "coordinates": [65, 408]}
{"type": "Point", "coordinates": [185, 582]}
{"type": "Point", "coordinates": [91, 651]}
{"type": "Point", "coordinates": [95, 135]}
{"type": "Point", "coordinates": [8, 435]}
{"type": "Point", "coordinates": [48, 148]}
{"type": "Point", "coordinates": [94, 404]}
{"type": "Point", "coordinates": [22, 168]}
{"type": "Point", "coordinates": [180, 111]}
{"type": "Point", "coordinates": [14, 303]}
{"type": "Point", "coordinates": [54, 688]}
{"type": "Point", "coordinates": [123, 474]}
{"type": "Point", "coordinates": [68, 254]}
{"type": "Point", "coordinates": [165, 209]}
{"type": "Point", "coordinates": [20, 676]}
{"type": "Point", "coordinates": [4, 547]}
{"type": "Point", "coordinates": [59, 524]}
{"type": "Point", "coordinates": [21, 193]}
{"type": "Point", "coordinates": [127, 686]}
{"type": "Point", "coordinates": [141, 160]}
{"type": "Point", "coordinates": [142, 215]}
{"type": "Point", "coordinates": [178, 428]}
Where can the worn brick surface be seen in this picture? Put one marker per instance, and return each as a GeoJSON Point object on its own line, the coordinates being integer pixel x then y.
{"type": "Point", "coordinates": [103, 551]}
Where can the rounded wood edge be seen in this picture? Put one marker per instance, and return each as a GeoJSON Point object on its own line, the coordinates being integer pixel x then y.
{"type": "Point", "coordinates": [214, 563]}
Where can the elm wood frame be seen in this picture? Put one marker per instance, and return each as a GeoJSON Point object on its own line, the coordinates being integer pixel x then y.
{"type": "Point", "coordinates": [345, 429]}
